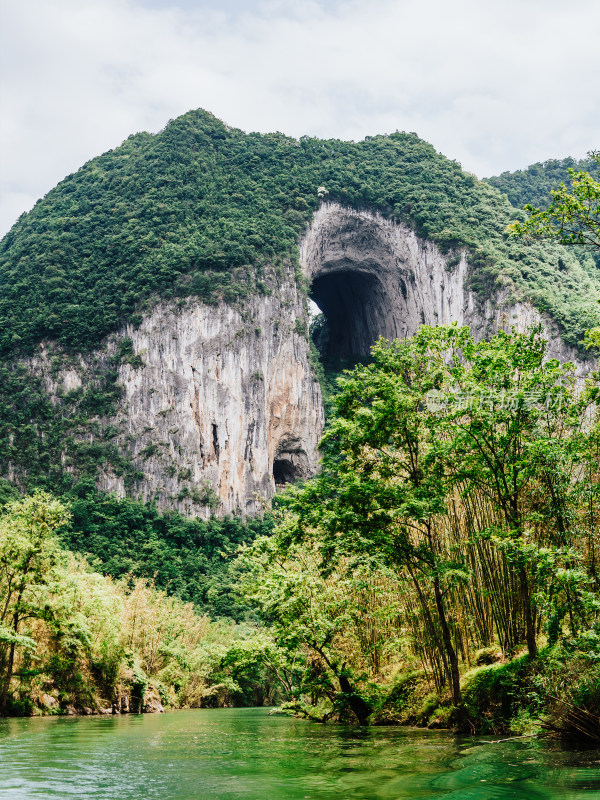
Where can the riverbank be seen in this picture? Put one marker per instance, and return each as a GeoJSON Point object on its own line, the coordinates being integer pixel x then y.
{"type": "Point", "coordinates": [75, 641]}
{"type": "Point", "coordinates": [556, 694]}
{"type": "Point", "coordinates": [80, 643]}
{"type": "Point", "coordinates": [126, 701]}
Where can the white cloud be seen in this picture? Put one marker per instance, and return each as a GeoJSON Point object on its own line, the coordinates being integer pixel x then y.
{"type": "Point", "coordinates": [496, 86]}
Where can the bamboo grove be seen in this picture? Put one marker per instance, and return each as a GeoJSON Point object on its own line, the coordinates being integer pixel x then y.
{"type": "Point", "coordinates": [449, 544]}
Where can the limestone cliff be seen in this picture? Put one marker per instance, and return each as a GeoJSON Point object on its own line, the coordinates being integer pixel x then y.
{"type": "Point", "coordinates": [373, 277]}
{"type": "Point", "coordinates": [223, 396]}
{"type": "Point", "coordinates": [220, 404]}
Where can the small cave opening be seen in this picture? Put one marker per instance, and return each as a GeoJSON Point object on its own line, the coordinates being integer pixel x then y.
{"type": "Point", "coordinates": [290, 463]}
{"type": "Point", "coordinates": [355, 311]}
{"type": "Point", "coordinates": [284, 472]}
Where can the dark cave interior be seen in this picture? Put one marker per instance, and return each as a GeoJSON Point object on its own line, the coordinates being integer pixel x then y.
{"type": "Point", "coordinates": [353, 303]}
{"type": "Point", "coordinates": [284, 471]}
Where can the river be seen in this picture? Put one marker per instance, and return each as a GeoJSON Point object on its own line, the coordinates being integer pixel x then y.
{"type": "Point", "coordinates": [225, 754]}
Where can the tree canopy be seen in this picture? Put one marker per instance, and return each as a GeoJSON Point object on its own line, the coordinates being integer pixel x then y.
{"type": "Point", "coordinates": [469, 471]}
{"type": "Point", "coordinates": [534, 184]}
{"type": "Point", "coordinates": [573, 215]}
{"type": "Point", "coordinates": [572, 218]}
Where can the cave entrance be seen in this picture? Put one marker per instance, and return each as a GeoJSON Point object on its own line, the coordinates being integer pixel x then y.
{"type": "Point", "coordinates": [284, 472]}
{"type": "Point", "coordinates": [290, 463]}
{"type": "Point", "coordinates": [353, 304]}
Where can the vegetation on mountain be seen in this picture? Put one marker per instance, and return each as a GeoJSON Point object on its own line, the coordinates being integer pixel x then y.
{"type": "Point", "coordinates": [189, 558]}
{"type": "Point", "coordinates": [573, 215]}
{"type": "Point", "coordinates": [204, 210]}
{"type": "Point", "coordinates": [534, 184]}
{"type": "Point", "coordinates": [207, 211]}
{"type": "Point", "coordinates": [572, 218]}
{"type": "Point", "coordinates": [45, 441]}
{"type": "Point", "coordinates": [441, 568]}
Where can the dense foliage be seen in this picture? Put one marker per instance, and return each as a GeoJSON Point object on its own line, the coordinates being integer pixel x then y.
{"type": "Point", "coordinates": [73, 640]}
{"type": "Point", "coordinates": [45, 441]}
{"type": "Point", "coordinates": [534, 187]}
{"type": "Point", "coordinates": [454, 526]}
{"type": "Point", "coordinates": [534, 184]}
{"type": "Point", "coordinates": [203, 209]}
{"type": "Point", "coordinates": [441, 569]}
{"type": "Point", "coordinates": [190, 558]}
{"type": "Point", "coordinates": [572, 218]}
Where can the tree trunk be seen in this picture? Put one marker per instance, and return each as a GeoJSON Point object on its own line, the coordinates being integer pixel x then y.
{"type": "Point", "coordinates": [8, 678]}
{"type": "Point", "coordinates": [527, 611]}
{"type": "Point", "coordinates": [358, 705]}
{"type": "Point", "coordinates": [360, 708]}
{"type": "Point", "coordinates": [448, 647]}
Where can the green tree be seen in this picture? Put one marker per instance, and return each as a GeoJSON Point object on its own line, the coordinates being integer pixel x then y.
{"type": "Point", "coordinates": [28, 555]}
{"type": "Point", "coordinates": [382, 488]}
{"type": "Point", "coordinates": [509, 423]}
{"type": "Point", "coordinates": [592, 338]}
{"type": "Point", "coordinates": [442, 433]}
{"type": "Point", "coordinates": [311, 618]}
{"type": "Point", "coordinates": [573, 216]}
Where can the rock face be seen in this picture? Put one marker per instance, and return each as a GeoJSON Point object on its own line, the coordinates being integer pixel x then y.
{"type": "Point", "coordinates": [373, 277]}
{"type": "Point", "coordinates": [225, 404]}
{"type": "Point", "coordinates": [225, 407]}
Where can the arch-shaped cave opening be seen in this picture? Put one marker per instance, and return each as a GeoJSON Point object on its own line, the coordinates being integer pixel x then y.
{"type": "Point", "coordinates": [355, 312]}
{"type": "Point", "coordinates": [290, 463]}
{"type": "Point", "coordinates": [284, 472]}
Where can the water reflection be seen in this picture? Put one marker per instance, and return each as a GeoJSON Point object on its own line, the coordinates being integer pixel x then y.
{"type": "Point", "coordinates": [244, 753]}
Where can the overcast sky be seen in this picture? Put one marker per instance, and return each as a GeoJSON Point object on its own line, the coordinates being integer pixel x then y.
{"type": "Point", "coordinates": [495, 84]}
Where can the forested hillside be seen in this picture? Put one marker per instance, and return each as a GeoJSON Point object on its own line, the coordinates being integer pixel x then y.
{"type": "Point", "coordinates": [187, 557]}
{"type": "Point", "coordinates": [207, 210]}
{"type": "Point", "coordinates": [534, 184]}
{"type": "Point", "coordinates": [441, 568]}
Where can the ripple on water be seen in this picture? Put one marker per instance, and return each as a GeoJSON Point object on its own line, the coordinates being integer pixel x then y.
{"type": "Point", "coordinates": [227, 754]}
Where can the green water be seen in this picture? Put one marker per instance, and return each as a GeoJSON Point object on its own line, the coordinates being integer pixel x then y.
{"type": "Point", "coordinates": [245, 753]}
